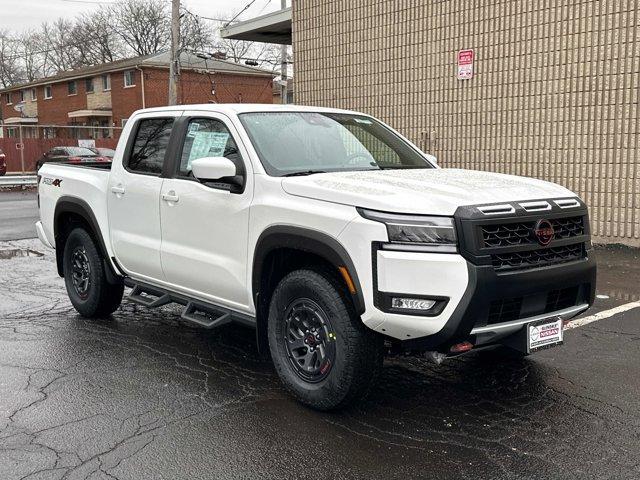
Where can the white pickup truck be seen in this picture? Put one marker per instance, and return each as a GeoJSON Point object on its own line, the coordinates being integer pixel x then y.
{"type": "Point", "coordinates": [327, 231]}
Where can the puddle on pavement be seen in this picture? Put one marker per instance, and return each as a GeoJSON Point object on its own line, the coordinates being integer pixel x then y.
{"type": "Point", "coordinates": [19, 252]}
{"type": "Point", "coordinates": [618, 272]}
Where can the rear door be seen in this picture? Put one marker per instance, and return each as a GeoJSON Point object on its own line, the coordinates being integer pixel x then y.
{"type": "Point", "coordinates": [205, 225]}
{"type": "Point", "coordinates": [134, 196]}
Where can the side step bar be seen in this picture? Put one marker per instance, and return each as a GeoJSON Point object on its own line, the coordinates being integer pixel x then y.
{"type": "Point", "coordinates": [149, 296]}
{"type": "Point", "coordinates": [197, 312]}
{"type": "Point", "coordinates": [205, 316]}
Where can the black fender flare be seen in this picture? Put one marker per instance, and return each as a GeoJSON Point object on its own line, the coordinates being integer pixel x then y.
{"type": "Point", "coordinates": [306, 240]}
{"type": "Point", "coordinates": [77, 206]}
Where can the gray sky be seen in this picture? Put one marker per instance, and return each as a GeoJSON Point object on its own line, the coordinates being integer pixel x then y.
{"type": "Point", "coordinates": [19, 15]}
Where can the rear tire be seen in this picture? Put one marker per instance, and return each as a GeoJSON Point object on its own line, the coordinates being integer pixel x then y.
{"type": "Point", "coordinates": [322, 352]}
{"type": "Point", "coordinates": [84, 276]}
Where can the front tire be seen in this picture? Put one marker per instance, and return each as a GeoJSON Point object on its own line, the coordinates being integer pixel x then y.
{"type": "Point", "coordinates": [84, 276]}
{"type": "Point", "coordinates": [322, 352]}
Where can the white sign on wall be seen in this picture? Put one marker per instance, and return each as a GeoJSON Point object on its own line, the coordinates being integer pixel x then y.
{"type": "Point", "coordinates": [87, 143]}
{"type": "Point", "coordinates": [465, 64]}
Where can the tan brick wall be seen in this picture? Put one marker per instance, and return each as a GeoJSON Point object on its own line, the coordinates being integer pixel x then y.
{"type": "Point", "coordinates": [99, 99]}
{"type": "Point", "coordinates": [555, 95]}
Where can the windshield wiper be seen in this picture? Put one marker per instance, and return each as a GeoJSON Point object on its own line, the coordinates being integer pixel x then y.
{"type": "Point", "coordinates": [303, 173]}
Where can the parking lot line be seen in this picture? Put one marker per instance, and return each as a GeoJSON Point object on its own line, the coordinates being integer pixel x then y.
{"type": "Point", "coordinates": [581, 322]}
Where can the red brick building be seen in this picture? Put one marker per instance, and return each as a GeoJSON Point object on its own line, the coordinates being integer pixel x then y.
{"type": "Point", "coordinates": [106, 95]}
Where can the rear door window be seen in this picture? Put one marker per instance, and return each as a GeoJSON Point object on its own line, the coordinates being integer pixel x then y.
{"type": "Point", "coordinates": [150, 146]}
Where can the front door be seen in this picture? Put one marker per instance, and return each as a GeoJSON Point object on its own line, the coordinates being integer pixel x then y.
{"type": "Point", "coordinates": [134, 197]}
{"type": "Point", "coordinates": [205, 225]}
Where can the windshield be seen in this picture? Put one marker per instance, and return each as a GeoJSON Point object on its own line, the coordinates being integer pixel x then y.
{"type": "Point", "coordinates": [290, 143]}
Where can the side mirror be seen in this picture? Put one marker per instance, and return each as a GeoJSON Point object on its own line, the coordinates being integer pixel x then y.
{"type": "Point", "coordinates": [432, 158]}
{"type": "Point", "coordinates": [213, 168]}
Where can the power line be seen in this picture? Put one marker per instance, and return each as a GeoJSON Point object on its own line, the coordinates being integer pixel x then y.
{"type": "Point", "coordinates": [247, 6]}
{"type": "Point", "coordinates": [195, 15]}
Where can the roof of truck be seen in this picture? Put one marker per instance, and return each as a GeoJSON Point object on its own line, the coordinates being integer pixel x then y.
{"type": "Point", "coordinates": [236, 108]}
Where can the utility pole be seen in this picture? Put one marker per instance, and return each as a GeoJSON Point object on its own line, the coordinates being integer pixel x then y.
{"type": "Point", "coordinates": [283, 65]}
{"type": "Point", "coordinates": [174, 66]}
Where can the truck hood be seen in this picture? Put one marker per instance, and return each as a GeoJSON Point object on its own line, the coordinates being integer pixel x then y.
{"type": "Point", "coordinates": [421, 191]}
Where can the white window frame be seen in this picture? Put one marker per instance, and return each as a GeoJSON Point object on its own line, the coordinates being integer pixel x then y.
{"type": "Point", "coordinates": [89, 81]}
{"type": "Point", "coordinates": [106, 82]}
{"type": "Point", "coordinates": [133, 78]}
{"type": "Point", "coordinates": [50, 95]}
{"type": "Point", "coordinates": [23, 95]}
{"type": "Point", "coordinates": [9, 98]}
{"type": "Point", "coordinates": [34, 94]}
{"type": "Point", "coordinates": [75, 82]}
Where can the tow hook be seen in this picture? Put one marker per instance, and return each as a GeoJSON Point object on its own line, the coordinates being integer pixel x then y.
{"type": "Point", "coordinates": [454, 351]}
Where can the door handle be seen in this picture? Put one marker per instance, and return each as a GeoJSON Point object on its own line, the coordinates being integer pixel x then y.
{"type": "Point", "coordinates": [170, 196]}
{"type": "Point", "coordinates": [118, 190]}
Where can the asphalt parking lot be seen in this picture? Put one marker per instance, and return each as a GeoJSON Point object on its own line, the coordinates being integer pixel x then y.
{"type": "Point", "coordinates": [143, 396]}
{"type": "Point", "coordinates": [18, 213]}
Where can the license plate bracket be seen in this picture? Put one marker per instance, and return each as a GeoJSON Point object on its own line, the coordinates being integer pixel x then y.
{"type": "Point", "coordinates": [544, 334]}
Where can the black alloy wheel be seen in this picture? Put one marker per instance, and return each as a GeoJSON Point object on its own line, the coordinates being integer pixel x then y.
{"type": "Point", "coordinates": [309, 340]}
{"type": "Point", "coordinates": [81, 272]}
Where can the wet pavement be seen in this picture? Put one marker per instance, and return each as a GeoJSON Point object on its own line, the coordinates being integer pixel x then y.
{"type": "Point", "coordinates": [143, 396]}
{"type": "Point", "coordinates": [18, 214]}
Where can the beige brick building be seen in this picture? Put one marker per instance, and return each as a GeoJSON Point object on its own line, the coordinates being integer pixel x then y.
{"type": "Point", "coordinates": [554, 95]}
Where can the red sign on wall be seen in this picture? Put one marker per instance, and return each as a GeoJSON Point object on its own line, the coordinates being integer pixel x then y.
{"type": "Point", "coordinates": [465, 64]}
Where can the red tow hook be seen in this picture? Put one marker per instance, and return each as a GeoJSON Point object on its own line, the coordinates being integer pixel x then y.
{"type": "Point", "coordinates": [461, 347]}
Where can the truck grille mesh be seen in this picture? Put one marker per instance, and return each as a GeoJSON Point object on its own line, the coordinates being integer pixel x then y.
{"type": "Point", "coordinates": [537, 258]}
{"type": "Point", "coordinates": [521, 233]}
{"type": "Point", "coordinates": [509, 309]}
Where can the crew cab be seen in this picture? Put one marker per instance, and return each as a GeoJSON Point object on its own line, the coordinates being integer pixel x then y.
{"type": "Point", "coordinates": [327, 231]}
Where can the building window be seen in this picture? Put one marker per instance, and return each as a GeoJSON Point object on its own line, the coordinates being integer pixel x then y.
{"type": "Point", "coordinates": [48, 132]}
{"type": "Point", "coordinates": [106, 82]}
{"type": "Point", "coordinates": [9, 98]}
{"type": "Point", "coordinates": [23, 96]}
{"type": "Point", "coordinates": [129, 78]}
{"type": "Point", "coordinates": [11, 132]}
{"type": "Point", "coordinates": [88, 83]}
{"type": "Point", "coordinates": [72, 87]}
{"type": "Point", "coordinates": [47, 92]}
{"type": "Point", "coordinates": [34, 94]}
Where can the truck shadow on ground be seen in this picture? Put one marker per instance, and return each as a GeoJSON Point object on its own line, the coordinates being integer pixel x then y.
{"type": "Point", "coordinates": [478, 385]}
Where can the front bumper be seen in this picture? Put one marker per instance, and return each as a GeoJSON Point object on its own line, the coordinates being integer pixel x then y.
{"type": "Point", "coordinates": [525, 296]}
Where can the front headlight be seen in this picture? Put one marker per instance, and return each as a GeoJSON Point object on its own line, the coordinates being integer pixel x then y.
{"type": "Point", "coordinates": [417, 232]}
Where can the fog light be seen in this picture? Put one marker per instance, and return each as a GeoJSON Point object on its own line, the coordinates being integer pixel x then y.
{"type": "Point", "coordinates": [412, 303]}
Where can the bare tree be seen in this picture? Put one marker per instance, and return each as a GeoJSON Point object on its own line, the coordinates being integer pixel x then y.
{"type": "Point", "coordinates": [142, 25]}
{"type": "Point", "coordinates": [195, 33]}
{"type": "Point", "coordinates": [96, 40]}
{"type": "Point", "coordinates": [10, 68]}
{"type": "Point", "coordinates": [60, 53]}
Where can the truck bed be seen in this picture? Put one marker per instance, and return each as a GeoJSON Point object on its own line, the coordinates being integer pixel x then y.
{"type": "Point", "coordinates": [85, 183]}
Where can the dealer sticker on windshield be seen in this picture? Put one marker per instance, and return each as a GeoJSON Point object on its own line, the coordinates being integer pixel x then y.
{"type": "Point", "coordinates": [544, 334]}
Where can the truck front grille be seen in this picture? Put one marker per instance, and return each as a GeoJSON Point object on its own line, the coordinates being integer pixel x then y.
{"type": "Point", "coordinates": [542, 257]}
{"type": "Point", "coordinates": [516, 237]}
{"type": "Point", "coordinates": [520, 233]}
